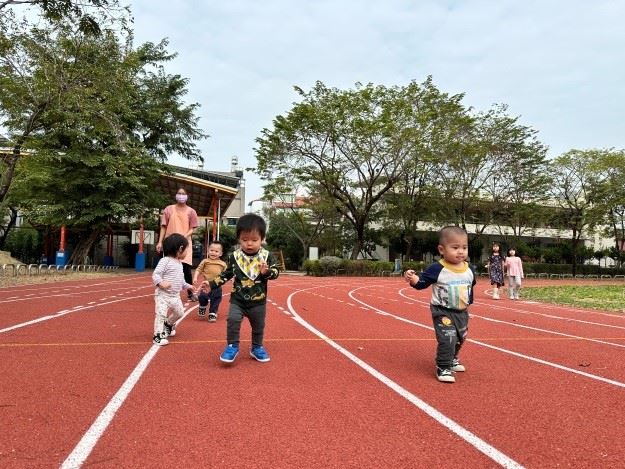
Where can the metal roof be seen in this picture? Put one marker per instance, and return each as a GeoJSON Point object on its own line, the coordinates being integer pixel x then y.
{"type": "Point", "coordinates": [202, 187]}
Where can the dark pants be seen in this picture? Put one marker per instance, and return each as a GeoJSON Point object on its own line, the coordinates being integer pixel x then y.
{"type": "Point", "coordinates": [214, 297]}
{"type": "Point", "coordinates": [188, 276]}
{"type": "Point", "coordinates": [451, 327]}
{"type": "Point", "coordinates": [256, 316]}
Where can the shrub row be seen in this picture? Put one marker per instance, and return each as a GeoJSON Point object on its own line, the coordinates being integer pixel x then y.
{"type": "Point", "coordinates": [331, 265]}
{"type": "Point", "coordinates": [542, 268]}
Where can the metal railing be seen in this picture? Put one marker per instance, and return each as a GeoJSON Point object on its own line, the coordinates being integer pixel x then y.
{"type": "Point", "coordinates": [15, 270]}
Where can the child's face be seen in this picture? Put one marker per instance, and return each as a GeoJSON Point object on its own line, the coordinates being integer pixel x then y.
{"type": "Point", "coordinates": [495, 248]}
{"type": "Point", "coordinates": [214, 251]}
{"type": "Point", "coordinates": [512, 252]}
{"type": "Point", "coordinates": [250, 241]}
{"type": "Point", "coordinates": [454, 249]}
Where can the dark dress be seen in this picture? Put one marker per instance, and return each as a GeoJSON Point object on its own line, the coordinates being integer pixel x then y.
{"type": "Point", "coordinates": [495, 262]}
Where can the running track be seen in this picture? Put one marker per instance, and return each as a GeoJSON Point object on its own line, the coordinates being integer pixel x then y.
{"type": "Point", "coordinates": [350, 385]}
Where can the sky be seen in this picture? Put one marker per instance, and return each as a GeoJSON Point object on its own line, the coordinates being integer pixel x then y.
{"type": "Point", "coordinates": [558, 65]}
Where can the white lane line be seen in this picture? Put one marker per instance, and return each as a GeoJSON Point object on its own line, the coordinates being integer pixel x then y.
{"type": "Point", "coordinates": [552, 316]}
{"type": "Point", "coordinates": [63, 312]}
{"type": "Point", "coordinates": [86, 444]}
{"type": "Point", "coordinates": [490, 451]}
{"type": "Point", "coordinates": [547, 331]}
{"type": "Point", "coordinates": [66, 295]}
{"type": "Point", "coordinates": [499, 349]}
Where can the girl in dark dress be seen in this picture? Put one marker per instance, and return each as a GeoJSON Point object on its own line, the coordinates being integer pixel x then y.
{"type": "Point", "coordinates": [495, 270]}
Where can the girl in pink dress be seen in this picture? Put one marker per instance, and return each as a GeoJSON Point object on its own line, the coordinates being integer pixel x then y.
{"type": "Point", "coordinates": [514, 267]}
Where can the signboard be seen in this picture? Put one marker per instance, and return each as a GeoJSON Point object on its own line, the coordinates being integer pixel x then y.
{"type": "Point", "coordinates": [148, 237]}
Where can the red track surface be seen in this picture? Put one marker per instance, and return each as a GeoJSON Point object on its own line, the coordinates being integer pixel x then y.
{"type": "Point", "coordinates": [350, 385]}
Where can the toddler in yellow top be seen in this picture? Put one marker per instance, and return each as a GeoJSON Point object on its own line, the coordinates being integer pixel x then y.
{"type": "Point", "coordinates": [210, 268]}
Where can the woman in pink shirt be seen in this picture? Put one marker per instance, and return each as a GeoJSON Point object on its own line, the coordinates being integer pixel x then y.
{"type": "Point", "coordinates": [182, 219]}
{"type": "Point", "coordinates": [514, 268]}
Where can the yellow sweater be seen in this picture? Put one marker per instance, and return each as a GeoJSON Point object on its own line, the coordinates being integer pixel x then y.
{"type": "Point", "coordinates": [210, 268]}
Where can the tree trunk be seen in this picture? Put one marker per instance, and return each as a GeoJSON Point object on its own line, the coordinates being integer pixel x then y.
{"type": "Point", "coordinates": [7, 177]}
{"type": "Point", "coordinates": [574, 244]}
{"type": "Point", "coordinates": [10, 225]}
{"type": "Point", "coordinates": [360, 239]}
{"type": "Point", "coordinates": [409, 239]}
{"type": "Point", "coordinates": [82, 249]}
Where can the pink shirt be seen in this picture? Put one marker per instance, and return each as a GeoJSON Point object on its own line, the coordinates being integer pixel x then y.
{"type": "Point", "coordinates": [514, 266]}
{"type": "Point", "coordinates": [176, 220]}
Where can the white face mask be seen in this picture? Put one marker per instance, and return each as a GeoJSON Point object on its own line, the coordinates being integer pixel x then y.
{"type": "Point", "coordinates": [181, 198]}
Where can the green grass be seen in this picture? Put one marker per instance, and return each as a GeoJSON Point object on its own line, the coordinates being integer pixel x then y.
{"type": "Point", "coordinates": [605, 297]}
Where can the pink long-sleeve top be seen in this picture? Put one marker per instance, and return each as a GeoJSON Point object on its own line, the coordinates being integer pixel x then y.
{"type": "Point", "coordinates": [514, 265]}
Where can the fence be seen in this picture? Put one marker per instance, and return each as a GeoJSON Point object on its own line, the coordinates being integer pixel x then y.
{"type": "Point", "coordinates": [15, 270]}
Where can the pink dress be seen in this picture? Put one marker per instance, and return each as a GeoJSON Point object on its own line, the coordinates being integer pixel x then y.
{"type": "Point", "coordinates": [177, 220]}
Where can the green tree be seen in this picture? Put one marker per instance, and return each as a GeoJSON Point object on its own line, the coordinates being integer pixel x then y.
{"type": "Point", "coordinates": [610, 195]}
{"type": "Point", "coordinates": [574, 182]}
{"type": "Point", "coordinates": [304, 218]}
{"type": "Point", "coordinates": [416, 196]}
{"type": "Point", "coordinates": [100, 118]}
{"type": "Point", "coordinates": [353, 143]}
{"type": "Point", "coordinates": [518, 186]}
{"type": "Point", "coordinates": [87, 14]}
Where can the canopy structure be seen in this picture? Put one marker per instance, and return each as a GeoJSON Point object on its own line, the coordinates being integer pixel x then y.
{"type": "Point", "coordinates": [209, 193]}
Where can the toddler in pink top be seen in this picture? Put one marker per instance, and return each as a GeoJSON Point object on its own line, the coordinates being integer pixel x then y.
{"type": "Point", "coordinates": [514, 268]}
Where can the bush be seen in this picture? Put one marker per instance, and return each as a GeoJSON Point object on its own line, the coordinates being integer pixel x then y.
{"type": "Point", "coordinates": [583, 269]}
{"type": "Point", "coordinates": [24, 244]}
{"type": "Point", "coordinates": [332, 265]}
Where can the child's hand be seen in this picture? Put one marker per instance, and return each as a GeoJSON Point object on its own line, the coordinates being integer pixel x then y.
{"type": "Point", "coordinates": [411, 277]}
{"type": "Point", "coordinates": [264, 268]}
{"type": "Point", "coordinates": [164, 285]}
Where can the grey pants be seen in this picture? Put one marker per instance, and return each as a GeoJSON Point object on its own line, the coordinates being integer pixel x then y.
{"type": "Point", "coordinates": [451, 327]}
{"type": "Point", "coordinates": [256, 316]}
{"type": "Point", "coordinates": [514, 285]}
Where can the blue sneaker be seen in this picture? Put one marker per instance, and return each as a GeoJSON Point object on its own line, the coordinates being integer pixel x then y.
{"type": "Point", "coordinates": [230, 353]}
{"type": "Point", "coordinates": [259, 353]}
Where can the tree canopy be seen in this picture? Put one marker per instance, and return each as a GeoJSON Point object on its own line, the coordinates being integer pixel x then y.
{"type": "Point", "coordinates": [100, 117]}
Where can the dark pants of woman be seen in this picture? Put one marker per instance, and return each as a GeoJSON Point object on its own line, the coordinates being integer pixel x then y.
{"type": "Point", "coordinates": [451, 327]}
{"type": "Point", "coordinates": [188, 276]}
{"type": "Point", "coordinates": [256, 316]}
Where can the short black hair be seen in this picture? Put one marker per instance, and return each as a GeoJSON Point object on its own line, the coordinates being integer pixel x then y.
{"type": "Point", "coordinates": [216, 241]}
{"type": "Point", "coordinates": [173, 244]}
{"type": "Point", "coordinates": [448, 231]}
{"type": "Point", "coordinates": [251, 222]}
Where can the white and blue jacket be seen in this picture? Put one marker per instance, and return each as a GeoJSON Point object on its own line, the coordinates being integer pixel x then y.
{"type": "Point", "coordinates": [452, 287]}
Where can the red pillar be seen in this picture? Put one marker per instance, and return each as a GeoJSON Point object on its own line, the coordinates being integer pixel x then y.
{"type": "Point", "coordinates": [62, 242]}
{"type": "Point", "coordinates": [60, 254]}
{"type": "Point", "coordinates": [141, 237]}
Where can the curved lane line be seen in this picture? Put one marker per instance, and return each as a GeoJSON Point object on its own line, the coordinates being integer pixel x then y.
{"type": "Point", "coordinates": [552, 316]}
{"type": "Point", "coordinates": [493, 347]}
{"type": "Point", "coordinates": [463, 433]}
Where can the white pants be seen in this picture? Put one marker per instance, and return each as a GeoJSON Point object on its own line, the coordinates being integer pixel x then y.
{"type": "Point", "coordinates": [168, 308]}
{"type": "Point", "coordinates": [514, 285]}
